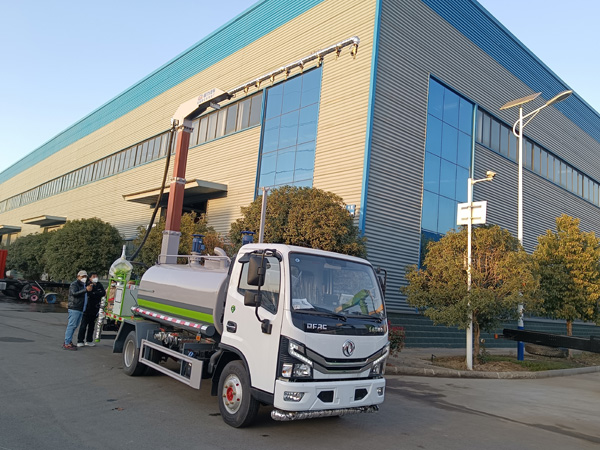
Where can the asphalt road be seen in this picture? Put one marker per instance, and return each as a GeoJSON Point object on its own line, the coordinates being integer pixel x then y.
{"type": "Point", "coordinates": [56, 399]}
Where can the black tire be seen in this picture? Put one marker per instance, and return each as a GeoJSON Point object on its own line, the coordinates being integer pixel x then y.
{"type": "Point", "coordinates": [131, 357]}
{"type": "Point", "coordinates": [237, 405]}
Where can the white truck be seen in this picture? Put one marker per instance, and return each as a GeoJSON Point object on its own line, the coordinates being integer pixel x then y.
{"type": "Point", "coordinates": [300, 329]}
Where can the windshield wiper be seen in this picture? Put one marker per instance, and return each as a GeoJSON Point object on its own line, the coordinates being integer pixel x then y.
{"type": "Point", "coordinates": [366, 316]}
{"type": "Point", "coordinates": [319, 312]}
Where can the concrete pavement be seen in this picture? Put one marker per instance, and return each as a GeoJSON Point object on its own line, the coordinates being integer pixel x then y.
{"type": "Point", "coordinates": [418, 362]}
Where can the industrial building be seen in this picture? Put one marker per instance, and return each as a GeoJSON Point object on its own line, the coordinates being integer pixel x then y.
{"type": "Point", "coordinates": [394, 122]}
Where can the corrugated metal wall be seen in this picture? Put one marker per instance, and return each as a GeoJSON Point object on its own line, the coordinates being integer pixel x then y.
{"type": "Point", "coordinates": [415, 42]}
{"type": "Point", "coordinates": [230, 160]}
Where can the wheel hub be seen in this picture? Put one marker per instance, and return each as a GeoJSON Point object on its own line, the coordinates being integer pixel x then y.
{"type": "Point", "coordinates": [232, 393]}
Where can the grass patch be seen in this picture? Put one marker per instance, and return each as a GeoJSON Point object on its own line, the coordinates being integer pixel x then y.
{"type": "Point", "coordinates": [509, 363]}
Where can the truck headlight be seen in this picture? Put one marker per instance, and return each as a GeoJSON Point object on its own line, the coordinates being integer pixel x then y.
{"type": "Point", "coordinates": [286, 370]}
{"type": "Point", "coordinates": [378, 367]}
{"type": "Point", "coordinates": [302, 370]}
{"type": "Point", "coordinates": [296, 350]}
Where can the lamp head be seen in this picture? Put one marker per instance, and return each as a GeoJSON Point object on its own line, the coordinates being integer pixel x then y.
{"type": "Point", "coordinates": [559, 97]}
{"type": "Point", "coordinates": [490, 175]}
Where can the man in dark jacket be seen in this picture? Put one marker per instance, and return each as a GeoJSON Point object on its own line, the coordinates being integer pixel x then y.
{"type": "Point", "coordinates": [78, 294]}
{"type": "Point", "coordinates": [91, 312]}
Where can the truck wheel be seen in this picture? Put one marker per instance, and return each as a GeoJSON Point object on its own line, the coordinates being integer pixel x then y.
{"type": "Point", "coordinates": [237, 405]}
{"type": "Point", "coordinates": [131, 357]}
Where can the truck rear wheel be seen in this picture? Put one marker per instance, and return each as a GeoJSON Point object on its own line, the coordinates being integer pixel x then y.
{"type": "Point", "coordinates": [131, 357]}
{"type": "Point", "coordinates": [237, 405]}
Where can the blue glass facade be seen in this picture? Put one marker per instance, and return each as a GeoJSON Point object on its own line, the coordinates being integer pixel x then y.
{"type": "Point", "coordinates": [448, 154]}
{"type": "Point", "coordinates": [290, 131]}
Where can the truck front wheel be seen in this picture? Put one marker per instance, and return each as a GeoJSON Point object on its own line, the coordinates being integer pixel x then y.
{"type": "Point", "coordinates": [237, 405]}
{"type": "Point", "coordinates": [131, 357]}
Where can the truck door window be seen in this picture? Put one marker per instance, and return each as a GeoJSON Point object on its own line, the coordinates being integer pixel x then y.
{"type": "Point", "coordinates": [270, 290]}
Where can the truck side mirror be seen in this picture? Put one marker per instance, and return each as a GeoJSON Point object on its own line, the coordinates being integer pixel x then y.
{"type": "Point", "coordinates": [257, 266]}
{"type": "Point", "coordinates": [252, 298]}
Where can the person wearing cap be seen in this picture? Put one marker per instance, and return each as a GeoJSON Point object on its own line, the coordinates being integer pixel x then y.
{"type": "Point", "coordinates": [78, 295]}
{"type": "Point", "coordinates": [88, 321]}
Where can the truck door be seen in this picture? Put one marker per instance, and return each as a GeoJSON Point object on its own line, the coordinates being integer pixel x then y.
{"type": "Point", "coordinates": [242, 329]}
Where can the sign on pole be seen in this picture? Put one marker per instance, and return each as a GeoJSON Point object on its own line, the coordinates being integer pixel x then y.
{"type": "Point", "coordinates": [476, 211]}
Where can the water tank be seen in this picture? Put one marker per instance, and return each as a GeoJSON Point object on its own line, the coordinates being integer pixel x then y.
{"type": "Point", "coordinates": [194, 292]}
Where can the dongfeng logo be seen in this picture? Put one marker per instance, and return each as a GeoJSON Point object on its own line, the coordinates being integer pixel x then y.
{"type": "Point", "coordinates": [348, 348]}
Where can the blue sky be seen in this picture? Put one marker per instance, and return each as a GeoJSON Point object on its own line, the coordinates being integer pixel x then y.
{"type": "Point", "coordinates": [63, 59]}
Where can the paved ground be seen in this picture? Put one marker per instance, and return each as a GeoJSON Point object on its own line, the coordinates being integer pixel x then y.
{"type": "Point", "coordinates": [51, 398]}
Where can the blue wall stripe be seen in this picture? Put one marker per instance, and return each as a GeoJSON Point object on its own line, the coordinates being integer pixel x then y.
{"type": "Point", "coordinates": [370, 119]}
{"type": "Point", "coordinates": [254, 23]}
{"type": "Point", "coordinates": [480, 27]}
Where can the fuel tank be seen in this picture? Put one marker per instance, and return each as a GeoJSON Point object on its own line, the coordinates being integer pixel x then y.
{"type": "Point", "coordinates": [194, 292]}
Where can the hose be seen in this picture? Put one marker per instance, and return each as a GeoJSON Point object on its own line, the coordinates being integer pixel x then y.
{"type": "Point", "coordinates": [162, 189]}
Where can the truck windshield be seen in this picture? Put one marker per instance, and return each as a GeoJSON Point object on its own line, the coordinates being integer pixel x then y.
{"type": "Point", "coordinates": [331, 285]}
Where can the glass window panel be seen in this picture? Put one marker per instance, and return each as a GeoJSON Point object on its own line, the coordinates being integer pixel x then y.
{"type": "Point", "coordinates": [479, 131]}
{"type": "Point", "coordinates": [495, 138]}
{"type": "Point", "coordinates": [194, 133]}
{"type": "Point", "coordinates": [274, 101]}
{"type": "Point", "coordinates": [284, 174]}
{"type": "Point", "coordinates": [157, 144]}
{"type": "Point", "coordinates": [151, 149]}
{"type": "Point", "coordinates": [462, 177]}
{"type": "Point", "coordinates": [307, 127]}
{"type": "Point", "coordinates": [429, 215]}
{"type": "Point", "coordinates": [221, 116]}
{"type": "Point", "coordinates": [292, 91]}
{"type": "Point", "coordinates": [304, 183]}
{"type": "Point", "coordinates": [536, 159]}
{"type": "Point", "coordinates": [431, 177]}
{"type": "Point", "coordinates": [451, 103]}
{"type": "Point", "coordinates": [267, 169]}
{"type": "Point", "coordinates": [487, 125]}
{"type": "Point", "coordinates": [305, 161]}
{"type": "Point", "coordinates": [288, 130]}
{"type": "Point", "coordinates": [557, 171]}
{"type": "Point", "coordinates": [433, 143]}
{"type": "Point", "coordinates": [449, 143]}
{"type": "Point", "coordinates": [212, 127]}
{"type": "Point", "coordinates": [569, 184]}
{"type": "Point", "coordinates": [271, 134]}
{"type": "Point", "coordinates": [465, 118]}
{"type": "Point", "coordinates": [243, 114]}
{"type": "Point", "coordinates": [579, 183]}
{"type": "Point", "coordinates": [144, 152]}
{"type": "Point", "coordinates": [231, 119]}
{"type": "Point", "coordinates": [528, 154]}
{"type": "Point", "coordinates": [544, 163]}
{"type": "Point", "coordinates": [585, 191]}
{"type": "Point", "coordinates": [435, 102]}
{"type": "Point", "coordinates": [255, 110]}
{"type": "Point", "coordinates": [311, 87]}
{"type": "Point", "coordinates": [202, 129]}
{"type": "Point", "coordinates": [464, 150]}
{"type": "Point", "coordinates": [503, 140]}
{"type": "Point", "coordinates": [446, 215]}
{"type": "Point", "coordinates": [448, 179]}
{"type": "Point", "coordinates": [512, 145]}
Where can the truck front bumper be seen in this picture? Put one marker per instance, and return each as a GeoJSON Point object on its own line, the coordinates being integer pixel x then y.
{"type": "Point", "coordinates": [343, 396]}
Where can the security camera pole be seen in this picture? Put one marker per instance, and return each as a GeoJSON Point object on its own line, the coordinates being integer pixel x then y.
{"type": "Point", "coordinates": [472, 218]}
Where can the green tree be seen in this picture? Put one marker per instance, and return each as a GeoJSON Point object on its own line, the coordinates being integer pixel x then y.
{"type": "Point", "coordinates": [306, 217]}
{"type": "Point", "coordinates": [501, 279]}
{"type": "Point", "coordinates": [26, 255]}
{"type": "Point", "coordinates": [86, 244]}
{"type": "Point", "coordinates": [568, 264]}
{"type": "Point", "coordinates": [191, 223]}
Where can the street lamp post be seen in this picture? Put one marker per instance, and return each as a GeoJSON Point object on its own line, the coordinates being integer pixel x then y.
{"type": "Point", "coordinates": [489, 177]}
{"type": "Point", "coordinates": [529, 116]}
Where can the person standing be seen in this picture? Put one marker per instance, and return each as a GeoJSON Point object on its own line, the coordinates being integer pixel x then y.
{"type": "Point", "coordinates": [88, 321]}
{"type": "Point", "coordinates": [78, 294]}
